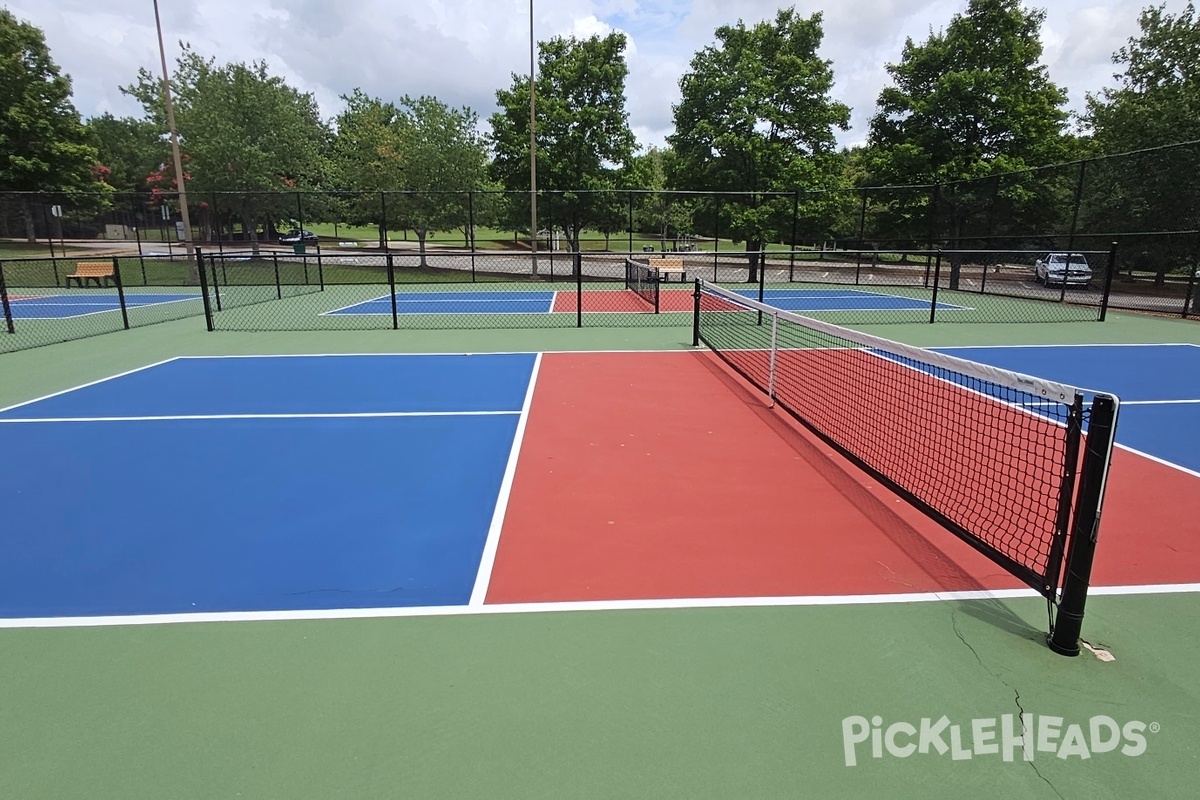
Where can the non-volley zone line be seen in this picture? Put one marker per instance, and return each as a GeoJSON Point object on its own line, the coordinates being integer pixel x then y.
{"type": "Point", "coordinates": [71, 306]}
{"type": "Point", "coordinates": [189, 417]}
{"type": "Point", "coordinates": [647, 604]}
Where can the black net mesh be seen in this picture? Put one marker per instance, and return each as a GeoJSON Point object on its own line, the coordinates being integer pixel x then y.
{"type": "Point", "coordinates": [988, 453]}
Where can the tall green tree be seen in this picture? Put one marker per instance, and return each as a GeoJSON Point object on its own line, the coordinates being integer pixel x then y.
{"type": "Point", "coordinates": [970, 102]}
{"type": "Point", "coordinates": [43, 144]}
{"type": "Point", "coordinates": [130, 148]}
{"type": "Point", "coordinates": [428, 156]}
{"type": "Point", "coordinates": [756, 117]}
{"type": "Point", "coordinates": [445, 157]}
{"type": "Point", "coordinates": [1156, 101]}
{"type": "Point", "coordinates": [246, 132]}
{"type": "Point", "coordinates": [583, 134]}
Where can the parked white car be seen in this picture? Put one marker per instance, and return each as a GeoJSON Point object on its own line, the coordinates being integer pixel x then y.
{"type": "Point", "coordinates": [1056, 269]}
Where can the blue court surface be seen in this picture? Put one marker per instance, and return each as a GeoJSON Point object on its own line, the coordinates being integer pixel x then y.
{"type": "Point", "coordinates": [1158, 385]}
{"type": "Point", "coordinates": [455, 303]}
{"type": "Point", "coordinates": [258, 484]}
{"type": "Point", "coordinates": [66, 306]}
{"type": "Point", "coordinates": [841, 300]}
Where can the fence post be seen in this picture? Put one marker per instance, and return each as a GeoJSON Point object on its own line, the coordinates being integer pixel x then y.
{"type": "Point", "coordinates": [1108, 279]}
{"type": "Point", "coordinates": [937, 279]}
{"type": "Point", "coordinates": [578, 289]}
{"type": "Point", "coordinates": [208, 318]}
{"type": "Point", "coordinates": [278, 288]}
{"type": "Point", "coordinates": [383, 237]}
{"type": "Point", "coordinates": [792, 254]}
{"type": "Point", "coordinates": [862, 232]}
{"type": "Point", "coordinates": [471, 228]}
{"type": "Point", "coordinates": [716, 236]}
{"type": "Point", "coordinates": [8, 320]}
{"type": "Point", "coordinates": [391, 275]}
{"type": "Point", "coordinates": [629, 197]}
{"type": "Point", "coordinates": [1097, 454]}
{"type": "Point", "coordinates": [116, 263]}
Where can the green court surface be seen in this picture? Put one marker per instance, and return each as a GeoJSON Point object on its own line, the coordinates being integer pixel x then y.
{"type": "Point", "coordinates": [711, 701]}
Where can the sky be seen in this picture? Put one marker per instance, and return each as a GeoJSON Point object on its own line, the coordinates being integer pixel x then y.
{"type": "Point", "coordinates": [462, 51]}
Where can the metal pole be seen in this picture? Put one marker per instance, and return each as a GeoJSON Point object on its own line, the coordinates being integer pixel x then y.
{"type": "Point", "coordinates": [792, 255]}
{"type": "Point", "coordinates": [471, 227]}
{"type": "Point", "coordinates": [1108, 279]}
{"type": "Point", "coordinates": [179, 180]}
{"type": "Point", "coordinates": [208, 319]}
{"type": "Point", "coordinates": [8, 320]}
{"type": "Point", "coordinates": [533, 218]}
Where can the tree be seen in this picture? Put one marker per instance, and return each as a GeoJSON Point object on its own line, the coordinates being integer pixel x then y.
{"type": "Point", "coordinates": [130, 148]}
{"type": "Point", "coordinates": [756, 117]}
{"type": "Point", "coordinates": [43, 145]}
{"type": "Point", "coordinates": [1156, 102]}
{"type": "Point", "coordinates": [432, 152]}
{"type": "Point", "coordinates": [368, 158]}
{"type": "Point", "coordinates": [444, 158]}
{"type": "Point", "coordinates": [969, 102]}
{"type": "Point", "coordinates": [246, 131]}
{"type": "Point", "coordinates": [583, 134]}
{"type": "Point", "coordinates": [665, 213]}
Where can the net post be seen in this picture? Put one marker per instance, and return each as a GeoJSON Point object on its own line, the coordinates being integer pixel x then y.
{"type": "Point", "coordinates": [774, 358]}
{"type": "Point", "coordinates": [696, 315]}
{"type": "Point", "coordinates": [937, 279]}
{"type": "Point", "coordinates": [8, 320]}
{"type": "Point", "coordinates": [116, 265]}
{"type": "Point", "coordinates": [212, 263]}
{"type": "Point", "coordinates": [208, 318]}
{"type": "Point", "coordinates": [1108, 280]}
{"type": "Point", "coordinates": [391, 276]}
{"type": "Point", "coordinates": [1098, 447]}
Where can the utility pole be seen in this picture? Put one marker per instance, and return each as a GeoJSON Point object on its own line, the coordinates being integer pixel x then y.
{"type": "Point", "coordinates": [533, 219]}
{"type": "Point", "coordinates": [183, 205]}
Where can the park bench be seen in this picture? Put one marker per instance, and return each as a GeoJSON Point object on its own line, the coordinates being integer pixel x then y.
{"type": "Point", "coordinates": [668, 266]}
{"type": "Point", "coordinates": [91, 271]}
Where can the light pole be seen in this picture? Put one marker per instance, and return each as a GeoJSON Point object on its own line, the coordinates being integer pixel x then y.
{"type": "Point", "coordinates": [533, 220]}
{"type": "Point", "coordinates": [183, 205]}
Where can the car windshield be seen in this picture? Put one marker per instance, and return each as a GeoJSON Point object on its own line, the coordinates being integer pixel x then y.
{"type": "Point", "coordinates": [1076, 261]}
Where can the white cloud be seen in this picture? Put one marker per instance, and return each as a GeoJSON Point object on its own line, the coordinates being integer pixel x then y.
{"type": "Point", "coordinates": [464, 50]}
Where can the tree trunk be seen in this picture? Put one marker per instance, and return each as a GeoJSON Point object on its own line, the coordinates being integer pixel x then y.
{"type": "Point", "coordinates": [754, 256]}
{"type": "Point", "coordinates": [251, 232]}
{"type": "Point", "coordinates": [27, 212]}
{"type": "Point", "coordinates": [421, 233]}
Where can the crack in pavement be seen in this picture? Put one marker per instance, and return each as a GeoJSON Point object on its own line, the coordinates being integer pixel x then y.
{"type": "Point", "coordinates": [1013, 689]}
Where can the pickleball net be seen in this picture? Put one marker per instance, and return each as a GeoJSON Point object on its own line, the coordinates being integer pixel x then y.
{"type": "Point", "coordinates": [643, 280]}
{"type": "Point", "coordinates": [990, 454]}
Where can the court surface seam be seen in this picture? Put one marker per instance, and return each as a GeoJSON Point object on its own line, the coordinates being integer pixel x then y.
{"type": "Point", "coordinates": [650, 604]}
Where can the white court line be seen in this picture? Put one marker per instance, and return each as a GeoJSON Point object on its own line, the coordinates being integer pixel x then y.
{"type": "Point", "coordinates": [1159, 402]}
{"type": "Point", "coordinates": [313, 415]}
{"type": "Point", "coordinates": [1156, 459]}
{"type": "Point", "coordinates": [586, 605]}
{"type": "Point", "coordinates": [487, 559]}
{"type": "Point", "coordinates": [1055, 346]}
{"type": "Point", "coordinates": [128, 306]}
{"type": "Point", "coordinates": [92, 383]}
{"type": "Point", "coordinates": [688, 349]}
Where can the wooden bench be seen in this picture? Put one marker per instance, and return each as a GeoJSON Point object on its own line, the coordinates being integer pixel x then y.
{"type": "Point", "coordinates": [668, 266]}
{"type": "Point", "coordinates": [91, 271]}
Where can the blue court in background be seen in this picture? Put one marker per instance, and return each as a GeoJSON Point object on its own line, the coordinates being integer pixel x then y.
{"type": "Point", "coordinates": [841, 300]}
{"type": "Point", "coordinates": [65, 306]}
{"type": "Point", "coordinates": [257, 484]}
{"type": "Point", "coordinates": [1159, 388]}
{"type": "Point", "coordinates": [456, 303]}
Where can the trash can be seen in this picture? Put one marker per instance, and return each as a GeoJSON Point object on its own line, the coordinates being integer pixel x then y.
{"type": "Point", "coordinates": [298, 248]}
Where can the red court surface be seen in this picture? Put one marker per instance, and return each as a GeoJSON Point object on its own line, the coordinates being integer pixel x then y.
{"type": "Point", "coordinates": [625, 301]}
{"type": "Point", "coordinates": [681, 483]}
